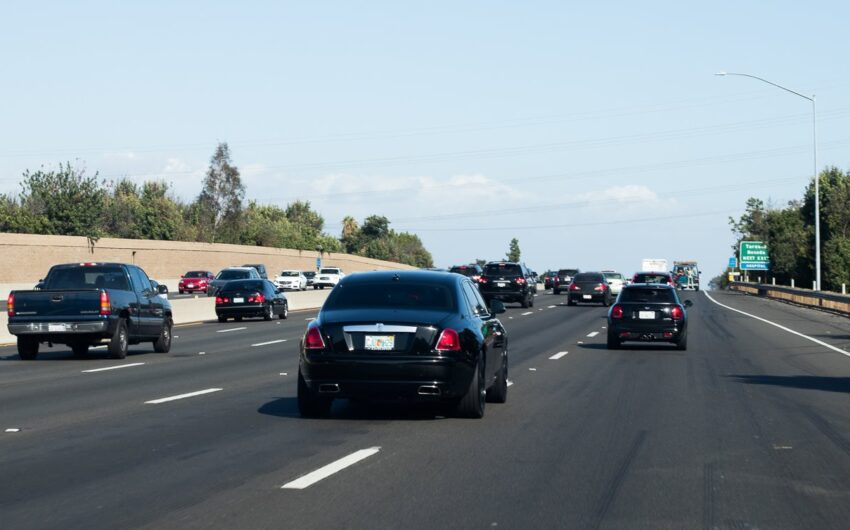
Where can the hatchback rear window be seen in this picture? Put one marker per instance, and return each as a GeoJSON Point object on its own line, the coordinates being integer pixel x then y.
{"type": "Point", "coordinates": [643, 295]}
{"type": "Point", "coordinates": [502, 269]}
{"type": "Point", "coordinates": [391, 296]}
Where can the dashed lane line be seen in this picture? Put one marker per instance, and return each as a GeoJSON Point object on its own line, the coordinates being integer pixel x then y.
{"type": "Point", "coordinates": [334, 467]}
{"type": "Point", "coordinates": [593, 334]}
{"type": "Point", "coordinates": [93, 370]}
{"type": "Point", "coordinates": [528, 313]}
{"type": "Point", "coordinates": [267, 343]}
{"type": "Point", "coordinates": [552, 307]}
{"type": "Point", "coordinates": [183, 396]}
{"type": "Point", "coordinates": [783, 328]}
{"type": "Point", "coordinates": [231, 329]}
{"type": "Point", "coordinates": [558, 355]}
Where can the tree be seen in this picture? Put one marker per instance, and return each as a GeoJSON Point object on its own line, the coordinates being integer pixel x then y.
{"type": "Point", "coordinates": [69, 202]}
{"type": "Point", "coordinates": [300, 213]}
{"type": "Point", "coordinates": [221, 199]}
{"type": "Point", "coordinates": [513, 251]}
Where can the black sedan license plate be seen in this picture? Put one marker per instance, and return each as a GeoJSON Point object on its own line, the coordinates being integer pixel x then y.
{"type": "Point", "coordinates": [380, 342]}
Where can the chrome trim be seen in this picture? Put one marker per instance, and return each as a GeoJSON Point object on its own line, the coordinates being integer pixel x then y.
{"type": "Point", "coordinates": [379, 328]}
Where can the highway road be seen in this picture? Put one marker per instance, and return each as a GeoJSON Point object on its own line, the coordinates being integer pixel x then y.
{"type": "Point", "coordinates": [750, 428]}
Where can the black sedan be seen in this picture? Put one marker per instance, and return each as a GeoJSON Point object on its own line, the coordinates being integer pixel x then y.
{"type": "Point", "coordinates": [648, 313]}
{"type": "Point", "coordinates": [589, 287]}
{"type": "Point", "coordinates": [250, 298]}
{"type": "Point", "coordinates": [410, 335]}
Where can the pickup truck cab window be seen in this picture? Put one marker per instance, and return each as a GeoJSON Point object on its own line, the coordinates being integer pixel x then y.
{"type": "Point", "coordinates": [93, 277]}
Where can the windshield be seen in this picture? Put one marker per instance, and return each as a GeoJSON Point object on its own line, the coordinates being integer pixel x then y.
{"type": "Point", "coordinates": [329, 271]}
{"type": "Point", "coordinates": [391, 296]}
{"type": "Point", "coordinates": [309, 274]}
{"type": "Point", "coordinates": [195, 274]}
{"type": "Point", "coordinates": [588, 277]}
{"type": "Point", "coordinates": [613, 275]}
{"type": "Point", "coordinates": [233, 275]}
{"type": "Point", "coordinates": [95, 277]}
{"type": "Point", "coordinates": [289, 273]}
{"type": "Point", "coordinates": [567, 272]}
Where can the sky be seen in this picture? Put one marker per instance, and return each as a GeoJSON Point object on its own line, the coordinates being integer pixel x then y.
{"type": "Point", "coordinates": [596, 133]}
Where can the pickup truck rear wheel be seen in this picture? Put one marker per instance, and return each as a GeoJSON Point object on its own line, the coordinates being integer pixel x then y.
{"type": "Point", "coordinates": [163, 343]}
{"type": "Point", "coordinates": [27, 348]}
{"type": "Point", "coordinates": [120, 342]}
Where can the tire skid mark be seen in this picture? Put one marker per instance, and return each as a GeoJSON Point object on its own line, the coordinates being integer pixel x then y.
{"type": "Point", "coordinates": [617, 481]}
{"type": "Point", "coordinates": [708, 496]}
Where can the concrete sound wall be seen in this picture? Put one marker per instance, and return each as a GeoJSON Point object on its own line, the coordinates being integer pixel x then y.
{"type": "Point", "coordinates": [25, 258]}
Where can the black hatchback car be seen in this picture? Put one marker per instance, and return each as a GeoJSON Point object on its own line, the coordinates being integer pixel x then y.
{"type": "Point", "coordinates": [589, 287]}
{"type": "Point", "coordinates": [507, 281]}
{"type": "Point", "coordinates": [250, 298]}
{"type": "Point", "coordinates": [411, 335]}
{"type": "Point", "coordinates": [648, 313]}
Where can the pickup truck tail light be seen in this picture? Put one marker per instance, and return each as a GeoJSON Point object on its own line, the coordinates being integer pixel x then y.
{"type": "Point", "coordinates": [105, 308]}
{"type": "Point", "coordinates": [10, 305]}
{"type": "Point", "coordinates": [313, 339]}
{"type": "Point", "coordinates": [449, 340]}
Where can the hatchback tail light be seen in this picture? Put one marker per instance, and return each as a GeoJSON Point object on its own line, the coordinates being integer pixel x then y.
{"type": "Point", "coordinates": [600, 287]}
{"type": "Point", "coordinates": [449, 340]}
{"type": "Point", "coordinates": [313, 339]}
{"type": "Point", "coordinates": [105, 308]}
{"type": "Point", "coordinates": [574, 287]}
{"type": "Point", "coordinates": [10, 305]}
{"type": "Point", "coordinates": [617, 311]}
{"type": "Point", "coordinates": [677, 313]}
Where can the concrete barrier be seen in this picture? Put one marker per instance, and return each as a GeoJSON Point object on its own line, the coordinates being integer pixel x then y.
{"type": "Point", "coordinates": [201, 308]}
{"type": "Point", "coordinates": [835, 302]}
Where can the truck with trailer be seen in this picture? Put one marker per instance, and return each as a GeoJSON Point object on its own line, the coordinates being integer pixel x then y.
{"type": "Point", "coordinates": [686, 275]}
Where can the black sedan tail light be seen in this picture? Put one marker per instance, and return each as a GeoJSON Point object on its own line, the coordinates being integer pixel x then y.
{"type": "Point", "coordinates": [313, 339]}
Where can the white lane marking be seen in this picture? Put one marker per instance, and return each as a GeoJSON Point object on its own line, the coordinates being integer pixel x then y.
{"type": "Point", "coordinates": [581, 342]}
{"type": "Point", "coordinates": [183, 396]}
{"type": "Point", "coordinates": [267, 343]}
{"type": "Point", "coordinates": [98, 347]}
{"type": "Point", "coordinates": [283, 373]}
{"type": "Point", "coordinates": [558, 355]}
{"type": "Point", "coordinates": [552, 307]}
{"type": "Point", "coordinates": [229, 330]}
{"type": "Point", "coordinates": [202, 353]}
{"type": "Point", "coordinates": [334, 467]}
{"type": "Point", "coordinates": [510, 383]}
{"type": "Point", "coordinates": [309, 319]}
{"type": "Point", "coordinates": [510, 318]}
{"type": "Point", "coordinates": [593, 334]}
{"type": "Point", "coordinates": [176, 337]}
{"type": "Point", "coordinates": [541, 309]}
{"type": "Point", "coordinates": [532, 369]}
{"type": "Point", "coordinates": [528, 313]}
{"type": "Point", "coordinates": [783, 328]}
{"type": "Point", "coordinates": [93, 370]}
{"type": "Point", "coordinates": [13, 429]}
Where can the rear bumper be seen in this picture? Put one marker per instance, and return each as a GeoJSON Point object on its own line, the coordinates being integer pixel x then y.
{"type": "Point", "coordinates": [505, 296]}
{"type": "Point", "coordinates": [254, 310]}
{"type": "Point", "coordinates": [50, 329]}
{"type": "Point", "coordinates": [595, 298]}
{"type": "Point", "coordinates": [387, 378]}
{"type": "Point", "coordinates": [661, 333]}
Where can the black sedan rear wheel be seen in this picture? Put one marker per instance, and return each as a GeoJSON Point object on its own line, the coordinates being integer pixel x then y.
{"type": "Point", "coordinates": [472, 404]}
{"type": "Point", "coordinates": [309, 404]}
{"type": "Point", "coordinates": [267, 312]}
{"type": "Point", "coordinates": [285, 311]}
{"type": "Point", "coordinates": [498, 393]}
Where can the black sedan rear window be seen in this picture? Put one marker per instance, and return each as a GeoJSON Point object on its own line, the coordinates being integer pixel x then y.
{"type": "Point", "coordinates": [588, 277]}
{"type": "Point", "coordinates": [643, 295]}
{"type": "Point", "coordinates": [391, 296]}
{"type": "Point", "coordinates": [243, 285]}
{"type": "Point", "coordinates": [502, 269]}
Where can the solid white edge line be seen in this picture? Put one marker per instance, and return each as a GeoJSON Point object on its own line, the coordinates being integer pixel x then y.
{"type": "Point", "coordinates": [334, 467]}
{"type": "Point", "coordinates": [783, 328]}
{"type": "Point", "coordinates": [267, 343]}
{"type": "Point", "coordinates": [110, 368]}
{"type": "Point", "coordinates": [593, 334]}
{"type": "Point", "coordinates": [182, 396]}
{"type": "Point", "coordinates": [558, 355]}
{"type": "Point", "coordinates": [229, 330]}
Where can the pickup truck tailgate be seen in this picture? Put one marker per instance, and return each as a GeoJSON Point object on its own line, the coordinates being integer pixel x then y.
{"type": "Point", "coordinates": [57, 304]}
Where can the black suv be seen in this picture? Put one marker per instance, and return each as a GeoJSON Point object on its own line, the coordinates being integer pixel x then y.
{"type": "Point", "coordinates": [507, 281]}
{"type": "Point", "coordinates": [261, 269]}
{"type": "Point", "coordinates": [563, 279]}
{"type": "Point", "coordinates": [472, 271]}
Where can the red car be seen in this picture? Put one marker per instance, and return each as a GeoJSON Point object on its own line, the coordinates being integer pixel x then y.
{"type": "Point", "coordinates": [194, 281]}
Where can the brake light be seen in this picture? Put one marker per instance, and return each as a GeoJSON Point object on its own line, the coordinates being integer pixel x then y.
{"type": "Point", "coordinates": [574, 287]}
{"type": "Point", "coordinates": [313, 339]}
{"type": "Point", "coordinates": [219, 300]}
{"type": "Point", "coordinates": [476, 278]}
{"type": "Point", "coordinates": [600, 287]}
{"type": "Point", "coordinates": [105, 309]}
{"type": "Point", "coordinates": [482, 280]}
{"type": "Point", "coordinates": [677, 313]}
{"type": "Point", "coordinates": [257, 298]}
{"type": "Point", "coordinates": [10, 305]}
{"type": "Point", "coordinates": [449, 340]}
{"type": "Point", "coordinates": [617, 311]}
{"type": "Point", "coordinates": [520, 280]}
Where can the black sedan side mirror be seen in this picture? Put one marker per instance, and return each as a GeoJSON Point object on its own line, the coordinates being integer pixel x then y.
{"type": "Point", "coordinates": [497, 307]}
{"type": "Point", "coordinates": [162, 289]}
{"type": "Point", "coordinates": [688, 303]}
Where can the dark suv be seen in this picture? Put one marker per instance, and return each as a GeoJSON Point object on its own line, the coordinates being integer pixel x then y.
{"type": "Point", "coordinates": [563, 279]}
{"type": "Point", "coordinates": [507, 281]}
{"type": "Point", "coordinates": [472, 271]}
{"type": "Point", "coordinates": [261, 269]}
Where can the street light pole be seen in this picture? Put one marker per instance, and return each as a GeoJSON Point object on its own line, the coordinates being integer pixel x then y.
{"type": "Point", "coordinates": [815, 162]}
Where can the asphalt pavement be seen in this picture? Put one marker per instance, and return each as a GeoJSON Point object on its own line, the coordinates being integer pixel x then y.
{"type": "Point", "coordinates": [750, 428]}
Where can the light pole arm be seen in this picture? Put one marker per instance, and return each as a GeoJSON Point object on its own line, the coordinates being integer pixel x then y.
{"type": "Point", "coordinates": [812, 99]}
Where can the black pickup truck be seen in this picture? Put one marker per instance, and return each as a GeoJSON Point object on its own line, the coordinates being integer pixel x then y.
{"type": "Point", "coordinates": [87, 304]}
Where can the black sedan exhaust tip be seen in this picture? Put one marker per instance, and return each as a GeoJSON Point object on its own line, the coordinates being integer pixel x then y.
{"type": "Point", "coordinates": [428, 390]}
{"type": "Point", "coordinates": [329, 388]}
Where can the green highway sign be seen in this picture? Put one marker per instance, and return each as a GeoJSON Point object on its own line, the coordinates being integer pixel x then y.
{"type": "Point", "coordinates": [754, 256]}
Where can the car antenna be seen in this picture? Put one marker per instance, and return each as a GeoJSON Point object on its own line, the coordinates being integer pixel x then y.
{"type": "Point", "coordinates": [396, 277]}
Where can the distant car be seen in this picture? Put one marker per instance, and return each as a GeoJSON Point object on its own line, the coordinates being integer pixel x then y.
{"type": "Point", "coordinates": [648, 313]}
{"type": "Point", "coordinates": [472, 271]}
{"type": "Point", "coordinates": [506, 281]}
{"type": "Point", "coordinates": [261, 269]}
{"type": "Point", "coordinates": [663, 278]}
{"type": "Point", "coordinates": [589, 287]}
{"type": "Point", "coordinates": [411, 335]}
{"type": "Point", "coordinates": [549, 279]}
{"type": "Point", "coordinates": [250, 298]}
{"type": "Point", "coordinates": [291, 279]}
{"type": "Point", "coordinates": [194, 281]}
{"type": "Point", "coordinates": [230, 274]}
{"type": "Point", "coordinates": [615, 280]}
{"type": "Point", "coordinates": [310, 275]}
{"type": "Point", "coordinates": [563, 279]}
{"type": "Point", "coordinates": [328, 277]}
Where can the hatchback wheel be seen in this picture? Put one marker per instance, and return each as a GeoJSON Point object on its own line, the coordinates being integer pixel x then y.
{"type": "Point", "coordinates": [613, 341]}
{"type": "Point", "coordinates": [682, 344]}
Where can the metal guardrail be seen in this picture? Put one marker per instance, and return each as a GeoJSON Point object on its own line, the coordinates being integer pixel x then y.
{"type": "Point", "coordinates": [838, 303]}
